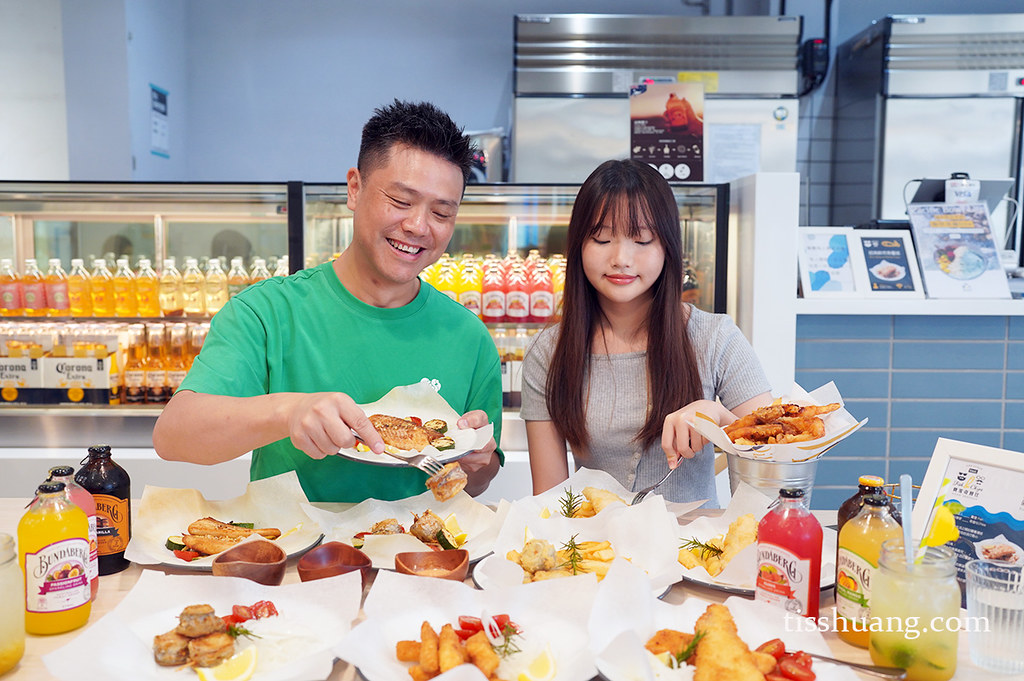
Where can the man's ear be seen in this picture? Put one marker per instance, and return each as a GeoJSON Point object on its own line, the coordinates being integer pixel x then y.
{"type": "Point", "coordinates": [354, 184]}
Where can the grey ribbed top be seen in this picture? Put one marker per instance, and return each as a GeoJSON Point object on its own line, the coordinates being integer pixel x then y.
{"type": "Point", "coordinates": [618, 401]}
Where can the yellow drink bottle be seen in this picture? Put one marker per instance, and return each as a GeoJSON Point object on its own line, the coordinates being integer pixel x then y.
{"type": "Point", "coordinates": [125, 298]}
{"type": "Point", "coordinates": [79, 290]}
{"type": "Point", "coordinates": [53, 550]}
{"type": "Point", "coordinates": [172, 301]}
{"type": "Point", "coordinates": [33, 290]}
{"type": "Point", "coordinates": [215, 287]}
{"type": "Point", "coordinates": [102, 287]}
{"type": "Point", "coordinates": [860, 543]}
{"type": "Point", "coordinates": [147, 289]}
{"type": "Point", "coordinates": [56, 283]}
{"type": "Point", "coordinates": [238, 278]}
{"type": "Point", "coordinates": [193, 289]}
{"type": "Point", "coordinates": [259, 271]}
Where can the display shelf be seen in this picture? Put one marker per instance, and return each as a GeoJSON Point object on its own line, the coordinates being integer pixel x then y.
{"type": "Point", "coordinates": [952, 308]}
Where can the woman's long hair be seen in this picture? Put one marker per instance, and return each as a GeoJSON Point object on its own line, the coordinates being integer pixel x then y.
{"type": "Point", "coordinates": [635, 191]}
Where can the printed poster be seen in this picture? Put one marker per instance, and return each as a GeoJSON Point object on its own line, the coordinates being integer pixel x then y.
{"type": "Point", "coordinates": [988, 505]}
{"type": "Point", "coordinates": [889, 262]}
{"type": "Point", "coordinates": [667, 128]}
{"type": "Point", "coordinates": [957, 252]}
{"type": "Point", "coordinates": [826, 268]}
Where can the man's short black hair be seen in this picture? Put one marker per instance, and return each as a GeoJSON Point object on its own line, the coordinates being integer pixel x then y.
{"type": "Point", "coordinates": [422, 126]}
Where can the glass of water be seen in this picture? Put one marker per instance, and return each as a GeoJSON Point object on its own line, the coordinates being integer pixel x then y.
{"type": "Point", "coordinates": [995, 604]}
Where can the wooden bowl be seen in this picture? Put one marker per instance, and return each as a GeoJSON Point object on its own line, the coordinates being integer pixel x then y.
{"type": "Point", "coordinates": [333, 558]}
{"type": "Point", "coordinates": [260, 560]}
{"type": "Point", "coordinates": [451, 564]}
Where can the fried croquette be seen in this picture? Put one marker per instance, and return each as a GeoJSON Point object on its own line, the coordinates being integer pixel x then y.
{"type": "Point", "coordinates": [211, 650]}
{"type": "Point", "coordinates": [199, 620]}
{"type": "Point", "coordinates": [538, 555]}
{"type": "Point", "coordinates": [170, 649]}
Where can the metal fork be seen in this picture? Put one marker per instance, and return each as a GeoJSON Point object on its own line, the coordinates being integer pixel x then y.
{"type": "Point", "coordinates": [647, 490]}
{"type": "Point", "coordinates": [424, 462]}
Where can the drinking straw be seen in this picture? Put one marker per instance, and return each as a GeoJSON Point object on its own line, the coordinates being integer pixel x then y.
{"type": "Point", "coordinates": [906, 491]}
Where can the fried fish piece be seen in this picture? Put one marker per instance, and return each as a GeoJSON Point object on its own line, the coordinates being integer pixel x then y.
{"type": "Point", "coordinates": [450, 651]}
{"type": "Point", "coordinates": [601, 498]}
{"type": "Point", "coordinates": [199, 620]}
{"type": "Point", "coordinates": [211, 650]}
{"type": "Point", "coordinates": [669, 641]}
{"type": "Point", "coordinates": [407, 651]}
{"type": "Point", "coordinates": [449, 482]}
{"type": "Point", "coordinates": [426, 526]}
{"type": "Point", "coordinates": [207, 545]}
{"type": "Point", "coordinates": [387, 526]}
{"type": "Point", "coordinates": [721, 654]}
{"type": "Point", "coordinates": [401, 433]}
{"type": "Point", "coordinates": [429, 642]}
{"type": "Point", "coordinates": [170, 649]}
{"type": "Point", "coordinates": [481, 654]}
{"type": "Point", "coordinates": [212, 527]}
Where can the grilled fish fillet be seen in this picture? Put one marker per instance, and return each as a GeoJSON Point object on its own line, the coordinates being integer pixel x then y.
{"type": "Point", "coordinates": [403, 434]}
{"type": "Point", "coordinates": [721, 654]}
{"type": "Point", "coordinates": [449, 482]}
{"type": "Point", "coordinates": [207, 545]}
{"type": "Point", "coordinates": [212, 527]}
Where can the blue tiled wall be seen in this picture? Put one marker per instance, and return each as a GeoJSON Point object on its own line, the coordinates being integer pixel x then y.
{"type": "Point", "coordinates": [916, 378]}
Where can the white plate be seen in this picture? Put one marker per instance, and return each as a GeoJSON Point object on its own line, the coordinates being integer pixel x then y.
{"type": "Point", "coordinates": [205, 563]}
{"type": "Point", "coordinates": [483, 580]}
{"type": "Point", "coordinates": [979, 548]}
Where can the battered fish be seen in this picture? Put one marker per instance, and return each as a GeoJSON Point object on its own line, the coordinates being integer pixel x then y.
{"type": "Point", "coordinates": [212, 527]}
{"type": "Point", "coordinates": [401, 433]}
{"type": "Point", "coordinates": [721, 653]}
{"type": "Point", "coordinates": [449, 482]}
{"type": "Point", "coordinates": [171, 649]}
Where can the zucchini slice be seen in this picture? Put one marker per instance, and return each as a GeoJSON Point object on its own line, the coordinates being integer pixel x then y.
{"type": "Point", "coordinates": [174, 543]}
{"type": "Point", "coordinates": [443, 443]}
{"type": "Point", "coordinates": [437, 425]}
{"type": "Point", "coordinates": [445, 539]}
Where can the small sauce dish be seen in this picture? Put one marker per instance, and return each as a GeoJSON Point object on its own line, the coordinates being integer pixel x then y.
{"type": "Point", "coordinates": [333, 558]}
{"type": "Point", "coordinates": [450, 564]}
{"type": "Point", "coordinates": [259, 560]}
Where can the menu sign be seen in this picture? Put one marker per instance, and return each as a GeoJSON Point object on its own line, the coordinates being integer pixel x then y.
{"type": "Point", "coordinates": [826, 268]}
{"type": "Point", "coordinates": [983, 488]}
{"type": "Point", "coordinates": [890, 267]}
{"type": "Point", "coordinates": [667, 128]}
{"type": "Point", "coordinates": [958, 254]}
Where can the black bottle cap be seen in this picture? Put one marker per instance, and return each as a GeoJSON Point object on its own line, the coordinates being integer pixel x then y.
{"type": "Point", "coordinates": [61, 471]}
{"type": "Point", "coordinates": [50, 488]}
{"type": "Point", "coordinates": [101, 450]}
{"type": "Point", "coordinates": [791, 493]}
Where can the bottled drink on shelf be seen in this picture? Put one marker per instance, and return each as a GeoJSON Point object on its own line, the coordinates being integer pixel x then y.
{"type": "Point", "coordinates": [147, 289]}
{"type": "Point", "coordinates": [177, 362]}
{"type": "Point", "coordinates": [860, 543]}
{"type": "Point", "coordinates": [542, 294]}
{"type": "Point", "coordinates": [517, 295]}
{"type": "Point", "coordinates": [259, 271]}
{"type": "Point", "coordinates": [77, 495]}
{"type": "Point", "coordinates": [116, 382]}
{"type": "Point", "coordinates": [197, 336]}
{"type": "Point", "coordinates": [215, 287]}
{"type": "Point", "coordinates": [448, 280]}
{"type": "Point", "coordinates": [110, 486]}
{"type": "Point", "coordinates": [56, 283]}
{"type": "Point", "coordinates": [789, 556]}
{"type": "Point", "coordinates": [155, 366]}
{"type": "Point", "coordinates": [238, 278]}
{"type": "Point", "coordinates": [492, 294]}
{"type": "Point", "coordinates": [172, 301]}
{"type": "Point", "coordinates": [53, 549]}
{"type": "Point", "coordinates": [557, 265]}
{"type": "Point", "coordinates": [10, 290]}
{"type": "Point", "coordinates": [134, 374]}
{"type": "Point", "coordinates": [102, 288]}
{"type": "Point", "coordinates": [125, 298]}
{"type": "Point", "coordinates": [281, 270]}
{"type": "Point", "coordinates": [33, 290]}
{"type": "Point", "coordinates": [79, 290]}
{"type": "Point", "coordinates": [193, 289]}
{"type": "Point", "coordinates": [469, 286]}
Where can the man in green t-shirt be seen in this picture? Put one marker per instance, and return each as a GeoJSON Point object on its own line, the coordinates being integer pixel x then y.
{"type": "Point", "coordinates": [288, 360]}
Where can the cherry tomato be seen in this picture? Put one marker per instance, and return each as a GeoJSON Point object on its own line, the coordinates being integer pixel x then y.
{"type": "Point", "coordinates": [502, 620]}
{"type": "Point", "coordinates": [263, 609]}
{"type": "Point", "coordinates": [417, 420]}
{"type": "Point", "coordinates": [775, 647]}
{"type": "Point", "coordinates": [186, 555]}
{"type": "Point", "coordinates": [463, 634]}
{"type": "Point", "coordinates": [774, 676]}
{"type": "Point", "coordinates": [242, 613]}
{"type": "Point", "coordinates": [802, 659]}
{"type": "Point", "coordinates": [795, 672]}
{"type": "Point", "coordinates": [471, 624]}
{"type": "Point", "coordinates": [231, 620]}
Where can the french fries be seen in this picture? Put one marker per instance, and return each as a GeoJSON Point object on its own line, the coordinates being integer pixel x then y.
{"type": "Point", "coordinates": [715, 553]}
{"type": "Point", "coordinates": [593, 501]}
{"type": "Point", "coordinates": [435, 653]}
{"type": "Point", "coordinates": [540, 560]}
{"type": "Point", "coordinates": [780, 424]}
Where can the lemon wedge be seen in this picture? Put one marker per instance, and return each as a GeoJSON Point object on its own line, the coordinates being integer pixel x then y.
{"type": "Point", "coordinates": [665, 658]}
{"type": "Point", "coordinates": [452, 525]}
{"type": "Point", "coordinates": [545, 512]}
{"type": "Point", "coordinates": [541, 669]}
{"type": "Point", "coordinates": [236, 668]}
{"type": "Point", "coordinates": [527, 535]}
{"type": "Point", "coordinates": [943, 528]}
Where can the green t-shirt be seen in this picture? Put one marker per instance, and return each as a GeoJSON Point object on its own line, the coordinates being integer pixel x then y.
{"type": "Point", "coordinates": [307, 333]}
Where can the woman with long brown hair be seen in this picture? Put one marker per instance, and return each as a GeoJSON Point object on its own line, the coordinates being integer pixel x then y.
{"type": "Point", "coordinates": [629, 364]}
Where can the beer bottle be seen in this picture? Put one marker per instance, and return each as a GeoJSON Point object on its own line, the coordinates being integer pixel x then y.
{"type": "Point", "coordinates": [111, 488]}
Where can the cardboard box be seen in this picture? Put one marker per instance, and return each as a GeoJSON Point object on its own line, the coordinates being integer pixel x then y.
{"type": "Point", "coordinates": [76, 380]}
{"type": "Point", "coordinates": [21, 380]}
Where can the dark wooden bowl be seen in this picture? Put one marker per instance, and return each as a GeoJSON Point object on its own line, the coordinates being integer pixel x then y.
{"type": "Point", "coordinates": [333, 558]}
{"type": "Point", "coordinates": [260, 560]}
{"type": "Point", "coordinates": [451, 564]}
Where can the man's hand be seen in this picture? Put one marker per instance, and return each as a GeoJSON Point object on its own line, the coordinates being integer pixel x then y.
{"type": "Point", "coordinates": [482, 464]}
{"type": "Point", "coordinates": [320, 424]}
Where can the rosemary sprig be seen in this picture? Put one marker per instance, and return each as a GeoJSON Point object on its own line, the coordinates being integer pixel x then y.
{"type": "Point", "coordinates": [508, 646]}
{"type": "Point", "coordinates": [570, 503]}
{"type": "Point", "coordinates": [683, 655]}
{"type": "Point", "coordinates": [573, 555]}
{"type": "Point", "coordinates": [706, 549]}
{"type": "Point", "coordinates": [236, 630]}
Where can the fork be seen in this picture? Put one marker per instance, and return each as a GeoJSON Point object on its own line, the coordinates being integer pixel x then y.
{"type": "Point", "coordinates": [424, 462]}
{"type": "Point", "coordinates": [647, 490]}
{"type": "Point", "coordinates": [874, 670]}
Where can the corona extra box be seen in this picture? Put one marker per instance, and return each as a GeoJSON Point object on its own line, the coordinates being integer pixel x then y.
{"type": "Point", "coordinates": [21, 380]}
{"type": "Point", "coordinates": [76, 380]}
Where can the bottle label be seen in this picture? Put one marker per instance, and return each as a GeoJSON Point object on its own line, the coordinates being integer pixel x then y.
{"type": "Point", "coordinates": [471, 301]}
{"type": "Point", "coordinates": [783, 578]}
{"type": "Point", "coordinates": [493, 303]}
{"type": "Point", "coordinates": [134, 386]}
{"type": "Point", "coordinates": [57, 295]}
{"type": "Point", "coordinates": [518, 305]}
{"type": "Point", "coordinates": [542, 304]}
{"type": "Point", "coordinates": [174, 379]}
{"type": "Point", "coordinates": [93, 569]}
{"type": "Point", "coordinates": [853, 585]}
{"type": "Point", "coordinates": [112, 524]}
{"type": "Point", "coordinates": [10, 296]}
{"type": "Point", "coordinates": [56, 577]}
{"type": "Point", "coordinates": [156, 386]}
{"type": "Point", "coordinates": [34, 296]}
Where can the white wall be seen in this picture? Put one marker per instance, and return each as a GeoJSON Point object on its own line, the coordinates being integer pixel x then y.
{"type": "Point", "coordinates": [33, 122]}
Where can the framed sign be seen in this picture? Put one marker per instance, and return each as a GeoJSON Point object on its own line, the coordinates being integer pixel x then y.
{"type": "Point", "coordinates": [983, 487]}
{"type": "Point", "coordinates": [828, 262]}
{"type": "Point", "coordinates": [889, 265]}
{"type": "Point", "coordinates": [667, 128]}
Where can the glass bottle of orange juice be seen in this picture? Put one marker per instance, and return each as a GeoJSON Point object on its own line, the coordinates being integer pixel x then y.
{"type": "Point", "coordinates": [147, 289]}
{"type": "Point", "coordinates": [12, 606]}
{"type": "Point", "coordinates": [53, 550]}
{"type": "Point", "coordinates": [102, 289]}
{"type": "Point", "coordinates": [126, 302]}
{"type": "Point", "coordinates": [860, 543]}
{"type": "Point", "coordinates": [33, 290]}
{"type": "Point", "coordinates": [56, 282]}
{"type": "Point", "coordinates": [79, 290]}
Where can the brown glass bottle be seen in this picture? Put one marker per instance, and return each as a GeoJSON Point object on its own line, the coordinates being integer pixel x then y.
{"type": "Point", "coordinates": [110, 486]}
